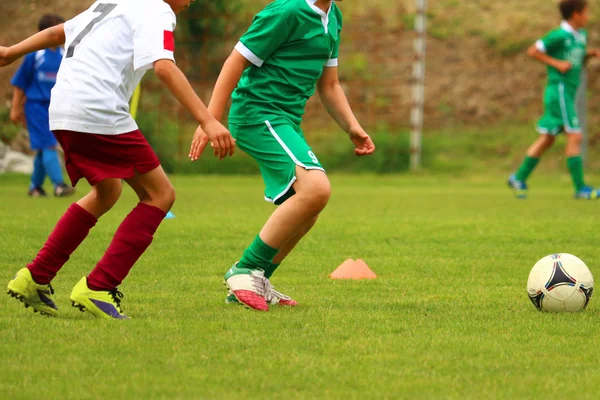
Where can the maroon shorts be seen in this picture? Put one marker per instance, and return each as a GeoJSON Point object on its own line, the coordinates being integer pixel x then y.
{"type": "Point", "coordinates": [98, 157]}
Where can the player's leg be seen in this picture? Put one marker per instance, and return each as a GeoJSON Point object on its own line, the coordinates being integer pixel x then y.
{"type": "Point", "coordinates": [286, 226]}
{"type": "Point", "coordinates": [36, 117]}
{"type": "Point", "coordinates": [38, 176]}
{"type": "Point", "coordinates": [575, 167]}
{"type": "Point", "coordinates": [98, 292]}
{"type": "Point", "coordinates": [549, 125]}
{"type": "Point", "coordinates": [518, 181]}
{"type": "Point", "coordinates": [295, 179]}
{"type": "Point", "coordinates": [32, 284]}
{"type": "Point", "coordinates": [280, 298]}
{"type": "Point", "coordinates": [540, 146]}
{"type": "Point", "coordinates": [54, 171]}
{"type": "Point", "coordinates": [287, 248]}
{"type": "Point", "coordinates": [574, 161]}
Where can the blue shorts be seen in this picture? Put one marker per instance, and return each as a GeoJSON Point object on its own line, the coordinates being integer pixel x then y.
{"type": "Point", "coordinates": [38, 125]}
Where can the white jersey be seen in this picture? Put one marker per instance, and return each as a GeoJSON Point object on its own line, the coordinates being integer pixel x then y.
{"type": "Point", "coordinates": [108, 49]}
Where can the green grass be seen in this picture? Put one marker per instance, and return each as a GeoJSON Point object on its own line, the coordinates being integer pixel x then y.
{"type": "Point", "coordinates": [448, 316]}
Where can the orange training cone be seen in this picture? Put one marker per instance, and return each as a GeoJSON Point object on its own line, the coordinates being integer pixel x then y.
{"type": "Point", "coordinates": [351, 269]}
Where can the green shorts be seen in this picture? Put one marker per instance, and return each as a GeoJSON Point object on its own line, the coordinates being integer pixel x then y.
{"type": "Point", "coordinates": [560, 113]}
{"type": "Point", "coordinates": [278, 147]}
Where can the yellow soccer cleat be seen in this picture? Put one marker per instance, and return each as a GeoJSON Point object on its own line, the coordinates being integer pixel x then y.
{"type": "Point", "coordinates": [38, 297]}
{"type": "Point", "coordinates": [100, 303]}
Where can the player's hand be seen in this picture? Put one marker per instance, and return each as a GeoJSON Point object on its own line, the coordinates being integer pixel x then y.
{"type": "Point", "coordinates": [5, 56]}
{"type": "Point", "coordinates": [17, 116]}
{"type": "Point", "coordinates": [594, 53]}
{"type": "Point", "coordinates": [199, 143]}
{"type": "Point", "coordinates": [362, 141]}
{"type": "Point", "coordinates": [563, 66]}
{"type": "Point", "coordinates": [221, 140]}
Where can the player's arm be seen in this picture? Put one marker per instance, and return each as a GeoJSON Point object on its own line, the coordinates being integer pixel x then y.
{"type": "Point", "coordinates": [591, 53]}
{"type": "Point", "coordinates": [550, 43]}
{"type": "Point", "coordinates": [50, 37]}
{"type": "Point", "coordinates": [222, 142]}
{"type": "Point", "coordinates": [17, 111]}
{"type": "Point", "coordinates": [226, 83]}
{"type": "Point", "coordinates": [537, 54]}
{"type": "Point", "coordinates": [228, 80]}
{"type": "Point", "coordinates": [335, 101]}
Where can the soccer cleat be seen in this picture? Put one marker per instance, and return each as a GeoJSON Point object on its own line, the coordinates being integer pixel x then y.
{"type": "Point", "coordinates": [588, 193]}
{"type": "Point", "coordinates": [38, 297]}
{"type": "Point", "coordinates": [249, 286]}
{"type": "Point", "coordinates": [63, 190]}
{"type": "Point", "coordinates": [281, 299]}
{"type": "Point", "coordinates": [37, 191]}
{"type": "Point", "coordinates": [100, 303]}
{"type": "Point", "coordinates": [275, 298]}
{"type": "Point", "coordinates": [519, 187]}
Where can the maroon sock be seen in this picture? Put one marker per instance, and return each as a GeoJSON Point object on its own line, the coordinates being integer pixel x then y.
{"type": "Point", "coordinates": [130, 241]}
{"type": "Point", "coordinates": [70, 231]}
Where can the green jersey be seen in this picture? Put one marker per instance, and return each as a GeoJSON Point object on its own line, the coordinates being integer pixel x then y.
{"type": "Point", "coordinates": [568, 44]}
{"type": "Point", "coordinates": [289, 43]}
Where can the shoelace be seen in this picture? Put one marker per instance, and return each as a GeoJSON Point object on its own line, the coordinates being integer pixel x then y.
{"type": "Point", "coordinates": [279, 295]}
{"type": "Point", "coordinates": [51, 289]}
{"type": "Point", "coordinates": [269, 293]}
{"type": "Point", "coordinates": [117, 296]}
{"type": "Point", "coordinates": [259, 285]}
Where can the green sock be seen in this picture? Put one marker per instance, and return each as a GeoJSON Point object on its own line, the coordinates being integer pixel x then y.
{"type": "Point", "coordinates": [258, 255]}
{"type": "Point", "coordinates": [269, 271]}
{"type": "Point", "coordinates": [575, 165]}
{"type": "Point", "coordinates": [526, 168]}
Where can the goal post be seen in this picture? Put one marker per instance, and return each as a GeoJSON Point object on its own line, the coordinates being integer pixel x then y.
{"type": "Point", "coordinates": [582, 112]}
{"type": "Point", "coordinates": [418, 83]}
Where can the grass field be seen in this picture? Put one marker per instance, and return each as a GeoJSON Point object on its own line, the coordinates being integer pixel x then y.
{"type": "Point", "coordinates": [448, 316]}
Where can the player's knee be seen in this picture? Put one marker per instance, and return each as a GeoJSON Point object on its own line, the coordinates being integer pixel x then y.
{"type": "Point", "coordinates": [166, 197]}
{"type": "Point", "coordinates": [549, 141]}
{"type": "Point", "coordinates": [170, 196]}
{"type": "Point", "coordinates": [575, 139]}
{"type": "Point", "coordinates": [320, 192]}
{"type": "Point", "coordinates": [107, 195]}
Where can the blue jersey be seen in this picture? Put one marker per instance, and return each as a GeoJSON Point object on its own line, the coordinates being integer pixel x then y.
{"type": "Point", "coordinates": [37, 75]}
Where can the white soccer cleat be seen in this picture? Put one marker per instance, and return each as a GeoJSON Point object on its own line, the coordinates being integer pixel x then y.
{"type": "Point", "coordinates": [249, 286]}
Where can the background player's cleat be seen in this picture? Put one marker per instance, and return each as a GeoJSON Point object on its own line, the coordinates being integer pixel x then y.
{"type": "Point", "coordinates": [519, 187]}
{"type": "Point", "coordinates": [100, 303]}
{"type": "Point", "coordinates": [37, 191]}
{"type": "Point", "coordinates": [39, 297]}
{"type": "Point", "coordinates": [63, 190]}
{"type": "Point", "coordinates": [281, 299]}
{"type": "Point", "coordinates": [249, 286]}
{"type": "Point", "coordinates": [588, 193]}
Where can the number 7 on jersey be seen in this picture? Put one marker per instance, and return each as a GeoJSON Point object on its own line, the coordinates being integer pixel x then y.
{"type": "Point", "coordinates": [104, 9]}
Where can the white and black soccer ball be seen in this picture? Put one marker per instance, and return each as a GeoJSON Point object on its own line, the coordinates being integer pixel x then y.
{"type": "Point", "coordinates": [559, 283]}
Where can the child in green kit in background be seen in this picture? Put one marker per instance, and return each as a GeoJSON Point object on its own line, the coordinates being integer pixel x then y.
{"type": "Point", "coordinates": [564, 52]}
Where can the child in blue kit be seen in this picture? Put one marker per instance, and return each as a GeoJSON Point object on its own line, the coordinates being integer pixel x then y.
{"type": "Point", "coordinates": [33, 82]}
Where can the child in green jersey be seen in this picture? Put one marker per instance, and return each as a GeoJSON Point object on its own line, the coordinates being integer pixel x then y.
{"type": "Point", "coordinates": [290, 49]}
{"type": "Point", "coordinates": [564, 52]}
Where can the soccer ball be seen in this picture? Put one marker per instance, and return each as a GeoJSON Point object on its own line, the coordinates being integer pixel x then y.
{"type": "Point", "coordinates": [559, 283]}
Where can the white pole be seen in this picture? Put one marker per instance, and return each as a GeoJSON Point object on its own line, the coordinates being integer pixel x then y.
{"type": "Point", "coordinates": [416, 118]}
{"type": "Point", "coordinates": [582, 112]}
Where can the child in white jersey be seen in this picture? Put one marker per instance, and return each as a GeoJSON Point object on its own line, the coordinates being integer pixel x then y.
{"type": "Point", "coordinates": [108, 48]}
